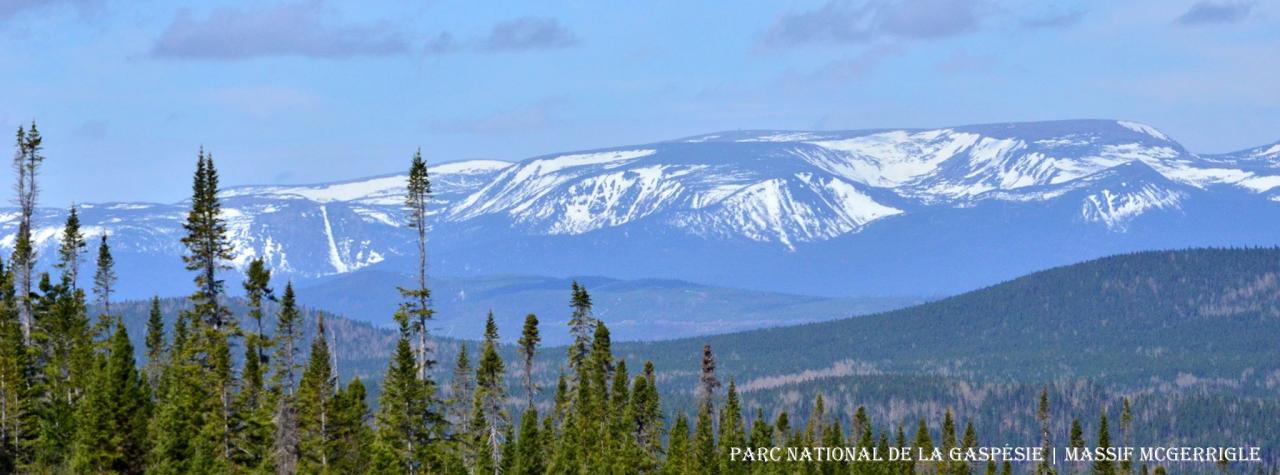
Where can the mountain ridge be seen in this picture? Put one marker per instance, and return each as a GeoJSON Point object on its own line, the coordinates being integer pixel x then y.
{"type": "Point", "coordinates": [834, 213]}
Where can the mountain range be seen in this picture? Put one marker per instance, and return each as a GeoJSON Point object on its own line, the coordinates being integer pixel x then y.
{"type": "Point", "coordinates": [886, 212]}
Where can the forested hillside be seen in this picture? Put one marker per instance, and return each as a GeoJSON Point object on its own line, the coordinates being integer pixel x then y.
{"type": "Point", "coordinates": [1172, 346]}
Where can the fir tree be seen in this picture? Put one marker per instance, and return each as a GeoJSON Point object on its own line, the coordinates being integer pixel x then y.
{"type": "Point", "coordinates": [1076, 439]}
{"type": "Point", "coordinates": [705, 455]}
{"type": "Point", "coordinates": [732, 432]}
{"type": "Point", "coordinates": [707, 382]}
{"type": "Point", "coordinates": [351, 432]}
{"type": "Point", "coordinates": [1126, 435]}
{"type": "Point", "coordinates": [17, 395]}
{"type": "Point", "coordinates": [111, 429]}
{"type": "Point", "coordinates": [529, 451]}
{"type": "Point", "coordinates": [315, 406]}
{"type": "Point", "coordinates": [255, 406]}
{"type": "Point", "coordinates": [1103, 466]}
{"type": "Point", "coordinates": [529, 340]}
{"type": "Point", "coordinates": [208, 246]}
{"type": "Point", "coordinates": [70, 248]}
{"type": "Point", "coordinates": [154, 343]}
{"type": "Point", "coordinates": [104, 278]}
{"type": "Point", "coordinates": [489, 395]}
{"type": "Point", "coordinates": [1046, 442]}
{"type": "Point", "coordinates": [403, 412]}
{"type": "Point", "coordinates": [416, 308]}
{"type": "Point", "coordinates": [288, 332]}
{"type": "Point", "coordinates": [581, 327]}
{"type": "Point", "coordinates": [679, 450]}
{"type": "Point", "coordinates": [26, 166]}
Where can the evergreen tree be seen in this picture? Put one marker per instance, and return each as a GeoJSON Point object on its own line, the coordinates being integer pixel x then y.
{"type": "Point", "coordinates": [111, 422]}
{"type": "Point", "coordinates": [1126, 435]}
{"type": "Point", "coordinates": [288, 332]}
{"type": "Point", "coordinates": [462, 398]}
{"type": "Point", "coordinates": [1103, 466]}
{"type": "Point", "coordinates": [104, 278]}
{"type": "Point", "coordinates": [315, 397]}
{"type": "Point", "coordinates": [529, 340]}
{"type": "Point", "coordinates": [732, 432]}
{"type": "Point", "coordinates": [1076, 439]}
{"type": "Point", "coordinates": [416, 308]}
{"type": "Point", "coordinates": [404, 413]}
{"type": "Point", "coordinates": [208, 246]}
{"type": "Point", "coordinates": [679, 451]}
{"type": "Point", "coordinates": [154, 343]}
{"type": "Point", "coordinates": [70, 248]}
{"type": "Point", "coordinates": [65, 352]}
{"type": "Point", "coordinates": [705, 456]}
{"type": "Point", "coordinates": [27, 159]}
{"type": "Point", "coordinates": [254, 403]}
{"type": "Point", "coordinates": [581, 327]}
{"type": "Point", "coordinates": [707, 382]}
{"type": "Point", "coordinates": [1046, 442]}
{"type": "Point", "coordinates": [351, 432]}
{"type": "Point", "coordinates": [924, 444]}
{"type": "Point", "coordinates": [529, 451]}
{"type": "Point", "coordinates": [490, 418]}
{"type": "Point", "coordinates": [17, 395]}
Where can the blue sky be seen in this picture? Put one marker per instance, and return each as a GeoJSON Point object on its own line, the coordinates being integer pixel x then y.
{"type": "Point", "coordinates": [307, 91]}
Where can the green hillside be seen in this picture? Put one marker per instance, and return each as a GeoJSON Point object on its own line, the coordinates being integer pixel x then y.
{"type": "Point", "coordinates": [1204, 317]}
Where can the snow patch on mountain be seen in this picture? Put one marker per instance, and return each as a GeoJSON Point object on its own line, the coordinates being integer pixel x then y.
{"type": "Point", "coordinates": [1142, 129]}
{"type": "Point", "coordinates": [1115, 208]}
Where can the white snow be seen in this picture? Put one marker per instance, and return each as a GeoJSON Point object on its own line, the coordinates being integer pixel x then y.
{"type": "Point", "coordinates": [1273, 151]}
{"type": "Point", "coordinates": [1142, 129]}
{"type": "Point", "coordinates": [1115, 209]}
{"type": "Point", "coordinates": [782, 137]}
{"type": "Point", "coordinates": [334, 258]}
{"type": "Point", "coordinates": [891, 158]}
{"type": "Point", "coordinates": [468, 167]}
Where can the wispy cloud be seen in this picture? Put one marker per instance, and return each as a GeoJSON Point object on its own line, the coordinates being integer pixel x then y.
{"type": "Point", "coordinates": [850, 22]}
{"type": "Point", "coordinates": [1209, 12]}
{"type": "Point", "coordinates": [1054, 19]}
{"type": "Point", "coordinates": [13, 8]}
{"type": "Point", "coordinates": [299, 29]}
{"type": "Point", "coordinates": [528, 33]}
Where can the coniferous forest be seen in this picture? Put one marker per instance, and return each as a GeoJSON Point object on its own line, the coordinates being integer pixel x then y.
{"type": "Point", "coordinates": [250, 385]}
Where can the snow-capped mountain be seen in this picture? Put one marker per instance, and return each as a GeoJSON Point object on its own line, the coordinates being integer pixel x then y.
{"type": "Point", "coordinates": [909, 212]}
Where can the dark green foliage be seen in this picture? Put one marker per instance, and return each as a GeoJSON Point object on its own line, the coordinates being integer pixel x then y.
{"type": "Point", "coordinates": [111, 419]}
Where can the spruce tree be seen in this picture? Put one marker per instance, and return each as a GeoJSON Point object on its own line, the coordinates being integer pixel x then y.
{"type": "Point", "coordinates": [707, 382]}
{"type": "Point", "coordinates": [315, 406]}
{"type": "Point", "coordinates": [403, 412]}
{"type": "Point", "coordinates": [581, 327]}
{"type": "Point", "coordinates": [255, 405]}
{"type": "Point", "coordinates": [288, 332]}
{"type": "Point", "coordinates": [111, 428]}
{"type": "Point", "coordinates": [705, 456]}
{"type": "Point", "coordinates": [1046, 442]}
{"type": "Point", "coordinates": [529, 340]}
{"type": "Point", "coordinates": [70, 248]}
{"type": "Point", "coordinates": [351, 432]}
{"type": "Point", "coordinates": [1103, 466]}
{"type": "Point", "coordinates": [1126, 435]}
{"type": "Point", "coordinates": [18, 399]}
{"type": "Point", "coordinates": [1076, 440]}
{"type": "Point", "coordinates": [489, 395]}
{"type": "Point", "coordinates": [207, 243]}
{"type": "Point", "coordinates": [732, 432]}
{"type": "Point", "coordinates": [680, 459]}
{"type": "Point", "coordinates": [416, 307]}
{"type": "Point", "coordinates": [154, 343]}
{"type": "Point", "coordinates": [529, 451]}
{"type": "Point", "coordinates": [461, 401]}
{"type": "Point", "coordinates": [104, 277]}
{"type": "Point", "coordinates": [27, 159]}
